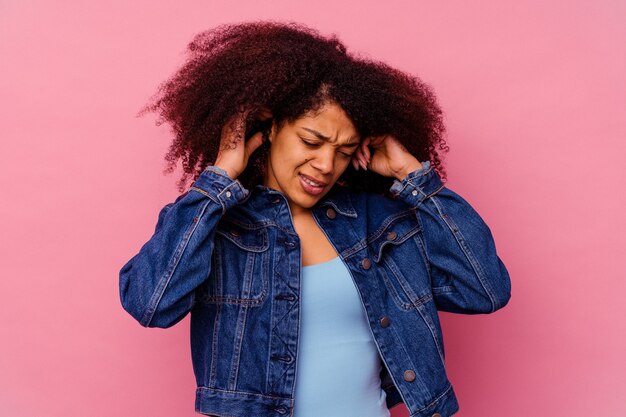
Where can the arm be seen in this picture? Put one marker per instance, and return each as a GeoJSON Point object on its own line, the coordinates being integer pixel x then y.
{"type": "Point", "coordinates": [467, 275]}
{"type": "Point", "coordinates": [157, 285]}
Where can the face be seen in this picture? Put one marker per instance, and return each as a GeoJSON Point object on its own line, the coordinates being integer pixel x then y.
{"type": "Point", "coordinates": [309, 155]}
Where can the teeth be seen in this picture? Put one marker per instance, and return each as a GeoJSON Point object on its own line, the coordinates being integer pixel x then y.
{"type": "Point", "coordinates": [308, 181]}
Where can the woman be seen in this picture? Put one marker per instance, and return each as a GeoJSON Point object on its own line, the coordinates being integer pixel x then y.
{"type": "Point", "coordinates": [317, 241]}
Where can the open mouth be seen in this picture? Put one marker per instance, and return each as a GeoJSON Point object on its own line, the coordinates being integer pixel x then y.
{"type": "Point", "coordinates": [311, 186]}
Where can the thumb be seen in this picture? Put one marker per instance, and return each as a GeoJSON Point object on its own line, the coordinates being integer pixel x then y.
{"type": "Point", "coordinates": [254, 142]}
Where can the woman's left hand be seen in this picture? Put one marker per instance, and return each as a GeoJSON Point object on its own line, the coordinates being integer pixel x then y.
{"type": "Point", "coordinates": [389, 157]}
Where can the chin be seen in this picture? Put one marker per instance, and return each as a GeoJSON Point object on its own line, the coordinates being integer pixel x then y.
{"type": "Point", "coordinates": [303, 201]}
{"type": "Point", "coordinates": [307, 201]}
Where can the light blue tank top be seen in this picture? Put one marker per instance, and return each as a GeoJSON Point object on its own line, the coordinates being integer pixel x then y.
{"type": "Point", "coordinates": [338, 365]}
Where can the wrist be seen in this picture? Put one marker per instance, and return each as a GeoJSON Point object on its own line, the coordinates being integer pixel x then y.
{"type": "Point", "coordinates": [226, 170]}
{"type": "Point", "coordinates": [407, 169]}
{"type": "Point", "coordinates": [420, 183]}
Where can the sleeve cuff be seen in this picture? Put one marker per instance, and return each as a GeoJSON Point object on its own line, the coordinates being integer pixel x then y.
{"type": "Point", "coordinates": [215, 183]}
{"type": "Point", "coordinates": [417, 185]}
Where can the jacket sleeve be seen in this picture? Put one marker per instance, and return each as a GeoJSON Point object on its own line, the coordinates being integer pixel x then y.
{"type": "Point", "coordinates": [157, 285]}
{"type": "Point", "coordinates": [467, 276]}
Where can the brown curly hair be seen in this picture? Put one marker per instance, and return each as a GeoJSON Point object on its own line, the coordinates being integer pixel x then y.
{"type": "Point", "coordinates": [291, 70]}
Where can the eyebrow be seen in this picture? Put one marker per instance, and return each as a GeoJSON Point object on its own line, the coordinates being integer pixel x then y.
{"type": "Point", "coordinates": [327, 138]}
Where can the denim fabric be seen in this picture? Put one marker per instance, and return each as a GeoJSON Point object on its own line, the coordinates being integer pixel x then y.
{"type": "Point", "coordinates": [232, 258]}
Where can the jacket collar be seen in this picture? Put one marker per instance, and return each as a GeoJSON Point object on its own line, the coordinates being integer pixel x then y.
{"type": "Point", "coordinates": [339, 198]}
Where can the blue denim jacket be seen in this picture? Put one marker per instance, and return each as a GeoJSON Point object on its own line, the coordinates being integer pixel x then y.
{"type": "Point", "coordinates": [232, 258]}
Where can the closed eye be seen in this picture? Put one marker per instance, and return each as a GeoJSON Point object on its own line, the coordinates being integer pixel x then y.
{"type": "Point", "coordinates": [311, 144]}
{"type": "Point", "coordinates": [315, 145]}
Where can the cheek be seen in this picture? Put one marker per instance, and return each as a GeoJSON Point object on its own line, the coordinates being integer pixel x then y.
{"type": "Point", "coordinates": [342, 164]}
{"type": "Point", "coordinates": [284, 164]}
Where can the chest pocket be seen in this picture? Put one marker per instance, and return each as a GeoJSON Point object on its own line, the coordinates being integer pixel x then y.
{"type": "Point", "coordinates": [240, 265]}
{"type": "Point", "coordinates": [393, 232]}
{"type": "Point", "coordinates": [395, 248]}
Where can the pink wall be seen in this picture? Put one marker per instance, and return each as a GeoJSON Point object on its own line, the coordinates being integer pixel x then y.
{"type": "Point", "coordinates": [535, 98]}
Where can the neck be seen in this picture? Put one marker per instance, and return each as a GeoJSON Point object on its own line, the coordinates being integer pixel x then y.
{"type": "Point", "coordinates": [297, 211]}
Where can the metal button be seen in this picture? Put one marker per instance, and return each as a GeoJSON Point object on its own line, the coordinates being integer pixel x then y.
{"type": "Point", "coordinates": [409, 376]}
{"type": "Point", "coordinates": [284, 358]}
{"type": "Point", "coordinates": [281, 410]}
{"type": "Point", "coordinates": [414, 192]}
{"type": "Point", "coordinates": [366, 263]}
{"type": "Point", "coordinates": [235, 232]}
{"type": "Point", "coordinates": [392, 235]}
{"type": "Point", "coordinates": [288, 297]}
{"type": "Point", "coordinates": [436, 415]}
{"type": "Point", "coordinates": [385, 321]}
{"type": "Point", "coordinates": [291, 245]}
{"type": "Point", "coordinates": [331, 214]}
{"type": "Point", "coordinates": [228, 194]}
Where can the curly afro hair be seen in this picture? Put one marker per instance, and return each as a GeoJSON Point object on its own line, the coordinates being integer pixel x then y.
{"type": "Point", "coordinates": [291, 70]}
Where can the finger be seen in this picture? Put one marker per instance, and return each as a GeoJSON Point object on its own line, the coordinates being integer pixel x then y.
{"type": "Point", "coordinates": [377, 141]}
{"type": "Point", "coordinates": [254, 142]}
{"type": "Point", "coordinates": [264, 114]}
{"type": "Point", "coordinates": [359, 149]}
{"type": "Point", "coordinates": [363, 162]}
{"type": "Point", "coordinates": [361, 156]}
{"type": "Point", "coordinates": [356, 155]}
{"type": "Point", "coordinates": [355, 160]}
{"type": "Point", "coordinates": [366, 150]}
{"type": "Point", "coordinates": [364, 158]}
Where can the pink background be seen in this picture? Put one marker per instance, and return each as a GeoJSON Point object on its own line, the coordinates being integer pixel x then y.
{"type": "Point", "coordinates": [535, 101]}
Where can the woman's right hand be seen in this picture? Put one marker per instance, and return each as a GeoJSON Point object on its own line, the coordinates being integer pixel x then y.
{"type": "Point", "coordinates": [235, 159]}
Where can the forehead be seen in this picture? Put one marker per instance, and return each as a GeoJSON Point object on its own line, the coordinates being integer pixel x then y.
{"type": "Point", "coordinates": [330, 120]}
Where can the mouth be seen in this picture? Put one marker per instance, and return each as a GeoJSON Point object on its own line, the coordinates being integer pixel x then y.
{"type": "Point", "coordinates": [310, 185]}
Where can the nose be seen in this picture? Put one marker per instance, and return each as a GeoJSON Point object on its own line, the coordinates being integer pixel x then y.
{"type": "Point", "coordinates": [324, 160]}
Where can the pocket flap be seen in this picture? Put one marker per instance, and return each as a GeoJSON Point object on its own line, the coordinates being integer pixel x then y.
{"type": "Point", "coordinates": [393, 231]}
{"type": "Point", "coordinates": [252, 237]}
